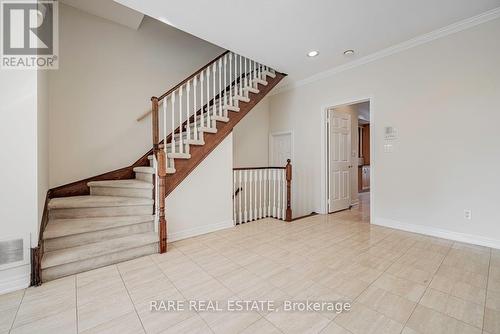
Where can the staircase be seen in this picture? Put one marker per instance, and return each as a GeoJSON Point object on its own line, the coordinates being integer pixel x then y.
{"type": "Point", "coordinates": [120, 215]}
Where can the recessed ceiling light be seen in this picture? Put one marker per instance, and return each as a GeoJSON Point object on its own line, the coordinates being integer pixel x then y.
{"type": "Point", "coordinates": [349, 52]}
{"type": "Point", "coordinates": [313, 53]}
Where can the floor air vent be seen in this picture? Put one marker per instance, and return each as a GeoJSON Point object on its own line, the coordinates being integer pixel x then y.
{"type": "Point", "coordinates": [11, 251]}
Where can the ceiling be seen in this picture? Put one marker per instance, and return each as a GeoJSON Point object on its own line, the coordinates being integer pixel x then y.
{"type": "Point", "coordinates": [110, 10]}
{"type": "Point", "coordinates": [280, 33]}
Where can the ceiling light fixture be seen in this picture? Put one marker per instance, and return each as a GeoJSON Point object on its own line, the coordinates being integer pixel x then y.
{"type": "Point", "coordinates": [313, 53]}
{"type": "Point", "coordinates": [349, 52]}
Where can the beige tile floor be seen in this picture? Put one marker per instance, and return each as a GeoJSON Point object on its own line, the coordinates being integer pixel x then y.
{"type": "Point", "coordinates": [397, 282]}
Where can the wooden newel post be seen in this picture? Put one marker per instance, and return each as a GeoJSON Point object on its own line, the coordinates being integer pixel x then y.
{"type": "Point", "coordinates": [162, 180]}
{"type": "Point", "coordinates": [288, 217]}
{"type": "Point", "coordinates": [162, 175]}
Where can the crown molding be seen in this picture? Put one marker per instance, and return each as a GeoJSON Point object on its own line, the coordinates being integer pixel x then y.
{"type": "Point", "coordinates": [422, 39]}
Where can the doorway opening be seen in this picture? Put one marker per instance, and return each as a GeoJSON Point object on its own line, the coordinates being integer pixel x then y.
{"type": "Point", "coordinates": [348, 163]}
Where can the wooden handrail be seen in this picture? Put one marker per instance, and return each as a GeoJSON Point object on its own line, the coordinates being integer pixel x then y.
{"type": "Point", "coordinates": [209, 104]}
{"type": "Point", "coordinates": [167, 93]}
{"type": "Point", "coordinates": [249, 168]}
{"type": "Point", "coordinates": [192, 76]}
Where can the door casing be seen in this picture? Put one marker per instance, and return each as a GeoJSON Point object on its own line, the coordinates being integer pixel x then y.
{"type": "Point", "coordinates": [323, 208]}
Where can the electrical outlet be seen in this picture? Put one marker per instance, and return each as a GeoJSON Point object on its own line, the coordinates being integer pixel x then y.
{"type": "Point", "coordinates": [468, 214]}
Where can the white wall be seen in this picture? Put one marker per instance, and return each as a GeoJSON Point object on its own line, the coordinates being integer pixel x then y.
{"type": "Point", "coordinates": [443, 97]}
{"type": "Point", "coordinates": [202, 203]}
{"type": "Point", "coordinates": [18, 167]}
{"type": "Point", "coordinates": [251, 137]}
{"type": "Point", "coordinates": [107, 75]}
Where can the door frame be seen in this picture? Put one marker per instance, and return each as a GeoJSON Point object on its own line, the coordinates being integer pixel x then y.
{"type": "Point", "coordinates": [324, 149]}
{"type": "Point", "coordinates": [271, 145]}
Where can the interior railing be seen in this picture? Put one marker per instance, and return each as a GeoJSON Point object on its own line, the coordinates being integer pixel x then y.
{"type": "Point", "coordinates": [182, 114]}
{"type": "Point", "coordinates": [262, 192]}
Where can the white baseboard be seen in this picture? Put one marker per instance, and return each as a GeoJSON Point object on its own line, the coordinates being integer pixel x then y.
{"type": "Point", "coordinates": [14, 279]}
{"type": "Point", "coordinates": [193, 232]}
{"type": "Point", "coordinates": [437, 232]}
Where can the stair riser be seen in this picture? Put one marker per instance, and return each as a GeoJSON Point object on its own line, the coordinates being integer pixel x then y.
{"type": "Point", "coordinates": [144, 177]}
{"type": "Point", "coordinates": [137, 210]}
{"type": "Point", "coordinates": [55, 272]}
{"type": "Point", "coordinates": [96, 236]}
{"type": "Point", "coordinates": [123, 192]}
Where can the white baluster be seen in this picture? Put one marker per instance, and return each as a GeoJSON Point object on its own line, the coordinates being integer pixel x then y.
{"type": "Point", "coordinates": [278, 200]}
{"type": "Point", "coordinates": [236, 71]}
{"type": "Point", "coordinates": [181, 140]}
{"type": "Point", "coordinates": [283, 197]}
{"type": "Point", "coordinates": [172, 100]}
{"type": "Point", "coordinates": [252, 68]}
{"type": "Point", "coordinates": [234, 198]}
{"type": "Point", "coordinates": [214, 105]}
{"type": "Point", "coordinates": [268, 194]}
{"type": "Point", "coordinates": [246, 73]}
{"type": "Point", "coordinates": [207, 117]}
{"type": "Point", "coordinates": [241, 76]}
{"type": "Point", "coordinates": [202, 79]}
{"type": "Point", "coordinates": [220, 87]}
{"type": "Point", "coordinates": [165, 131]}
{"type": "Point", "coordinates": [245, 187]}
{"type": "Point", "coordinates": [260, 193]}
{"type": "Point", "coordinates": [263, 190]}
{"type": "Point", "coordinates": [255, 72]}
{"type": "Point", "coordinates": [250, 197]}
{"type": "Point", "coordinates": [274, 193]}
{"type": "Point", "coordinates": [188, 93]}
{"type": "Point", "coordinates": [239, 199]}
{"type": "Point", "coordinates": [224, 83]}
{"type": "Point", "coordinates": [195, 108]}
{"type": "Point", "coordinates": [255, 205]}
{"type": "Point", "coordinates": [230, 97]}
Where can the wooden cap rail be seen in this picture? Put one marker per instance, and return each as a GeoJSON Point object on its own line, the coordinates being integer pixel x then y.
{"type": "Point", "coordinates": [176, 87]}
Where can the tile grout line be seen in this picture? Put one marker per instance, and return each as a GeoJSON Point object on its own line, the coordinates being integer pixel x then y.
{"type": "Point", "coordinates": [215, 278]}
{"type": "Point", "coordinates": [130, 298]}
{"type": "Point", "coordinates": [427, 287]}
{"type": "Point", "coordinates": [384, 271]}
{"type": "Point", "coordinates": [486, 292]}
{"type": "Point", "coordinates": [17, 311]}
{"type": "Point", "coordinates": [179, 291]}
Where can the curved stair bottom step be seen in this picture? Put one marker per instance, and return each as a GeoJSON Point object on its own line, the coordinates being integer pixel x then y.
{"type": "Point", "coordinates": [72, 268]}
{"type": "Point", "coordinates": [86, 238]}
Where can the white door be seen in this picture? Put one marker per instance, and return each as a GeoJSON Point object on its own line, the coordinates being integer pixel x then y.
{"type": "Point", "coordinates": [281, 149]}
{"type": "Point", "coordinates": [339, 164]}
